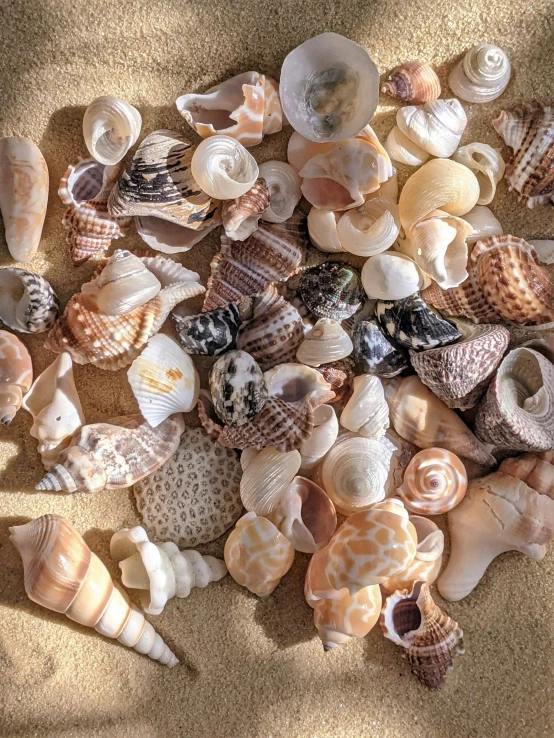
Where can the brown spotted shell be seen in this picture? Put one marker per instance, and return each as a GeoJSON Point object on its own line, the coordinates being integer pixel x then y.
{"type": "Point", "coordinates": [240, 216]}
{"type": "Point", "coordinates": [414, 82]}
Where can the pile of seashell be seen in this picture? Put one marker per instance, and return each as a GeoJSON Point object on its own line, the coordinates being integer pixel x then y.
{"type": "Point", "coordinates": [344, 390]}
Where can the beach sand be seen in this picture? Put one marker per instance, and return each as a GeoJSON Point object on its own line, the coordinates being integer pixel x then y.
{"type": "Point", "coordinates": [250, 668]}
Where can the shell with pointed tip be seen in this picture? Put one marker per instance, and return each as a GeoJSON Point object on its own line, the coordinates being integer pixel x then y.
{"type": "Point", "coordinates": [329, 88]}
{"type": "Point", "coordinates": [223, 168]}
{"type": "Point", "coordinates": [458, 374]}
{"type": "Point", "coordinates": [488, 165]}
{"type": "Point", "coordinates": [428, 559]}
{"type": "Point", "coordinates": [414, 81]}
{"type": "Point", "coordinates": [56, 409]}
{"type": "Point", "coordinates": [482, 75]}
{"type": "Point", "coordinates": [529, 131]}
{"type": "Point", "coordinates": [273, 253]}
{"type": "Point", "coordinates": [257, 554]}
{"type": "Point", "coordinates": [159, 570]}
{"type": "Point", "coordinates": [437, 127]}
{"type": "Point", "coordinates": [211, 333]}
{"type": "Point", "coordinates": [484, 224]}
{"type": "Point", "coordinates": [172, 238]}
{"type": "Point", "coordinates": [159, 182]}
{"type": "Point", "coordinates": [325, 343]}
{"type": "Point", "coordinates": [113, 455]}
{"type": "Point", "coordinates": [429, 637]}
{"type": "Point", "coordinates": [27, 301]}
{"type": "Point", "coordinates": [110, 127]}
{"type": "Point", "coordinates": [283, 183]}
{"type": "Point", "coordinates": [265, 478]}
{"type": "Point", "coordinates": [424, 420]}
{"type": "Point", "coordinates": [401, 149]}
{"type": "Point", "coordinates": [237, 387]}
{"type": "Point", "coordinates": [412, 324]}
{"type": "Point", "coordinates": [16, 375]}
{"type": "Point", "coordinates": [366, 412]}
{"type": "Point", "coordinates": [499, 513]}
{"type": "Point", "coordinates": [62, 574]}
{"type": "Point", "coordinates": [23, 195]}
{"type": "Point", "coordinates": [371, 228]}
{"type": "Point", "coordinates": [322, 227]}
{"type": "Point", "coordinates": [374, 352]}
{"type": "Point", "coordinates": [194, 496]}
{"type": "Point", "coordinates": [321, 439]}
{"type": "Point", "coordinates": [392, 276]}
{"type": "Point", "coordinates": [331, 290]}
{"type": "Point", "coordinates": [240, 216]}
{"type": "Point", "coordinates": [435, 481]}
{"type": "Point", "coordinates": [517, 412]}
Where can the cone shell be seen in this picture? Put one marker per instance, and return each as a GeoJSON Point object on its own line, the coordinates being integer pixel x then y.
{"type": "Point", "coordinates": [325, 343]}
{"type": "Point", "coordinates": [414, 81]}
{"type": "Point", "coordinates": [16, 375]}
{"type": "Point", "coordinates": [435, 481]}
{"type": "Point", "coordinates": [374, 352]}
{"type": "Point", "coordinates": [427, 562]}
{"type": "Point", "coordinates": [331, 290]}
{"type": "Point", "coordinates": [366, 412]}
{"type": "Point", "coordinates": [211, 333]}
{"type": "Point", "coordinates": [110, 127]}
{"type": "Point", "coordinates": [482, 75]}
{"type": "Point", "coordinates": [412, 324]}
{"type": "Point", "coordinates": [27, 301]}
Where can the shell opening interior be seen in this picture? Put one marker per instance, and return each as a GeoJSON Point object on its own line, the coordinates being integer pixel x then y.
{"type": "Point", "coordinates": [313, 513]}
{"type": "Point", "coordinates": [527, 379]}
{"type": "Point", "coordinates": [111, 143]}
{"type": "Point", "coordinates": [135, 573]}
{"type": "Point", "coordinates": [293, 389]}
{"type": "Point", "coordinates": [85, 182]}
{"type": "Point", "coordinates": [406, 615]}
{"type": "Point", "coordinates": [423, 527]}
{"type": "Point", "coordinates": [12, 290]}
{"type": "Point", "coordinates": [330, 96]}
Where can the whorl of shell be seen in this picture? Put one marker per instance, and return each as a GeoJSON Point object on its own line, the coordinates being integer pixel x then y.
{"type": "Point", "coordinates": [211, 333]}
{"type": "Point", "coordinates": [237, 387]}
{"type": "Point", "coordinates": [435, 128]}
{"type": "Point", "coordinates": [373, 351]}
{"type": "Point", "coordinates": [427, 562]}
{"type": "Point", "coordinates": [331, 290]}
{"type": "Point", "coordinates": [283, 183]}
{"type": "Point", "coordinates": [16, 375]}
{"type": "Point", "coordinates": [28, 303]}
{"type": "Point", "coordinates": [266, 475]}
{"type": "Point", "coordinates": [435, 481]}
{"type": "Point", "coordinates": [488, 165]}
{"type": "Point", "coordinates": [412, 324]}
{"type": "Point", "coordinates": [414, 82]}
{"type": "Point", "coordinates": [240, 216]}
{"type": "Point", "coordinates": [110, 127]}
{"type": "Point", "coordinates": [484, 224]}
{"type": "Point", "coordinates": [482, 75]}
{"type": "Point", "coordinates": [370, 229]}
{"type": "Point", "coordinates": [327, 342]}
{"type": "Point", "coordinates": [223, 168]}
{"type": "Point", "coordinates": [366, 412]}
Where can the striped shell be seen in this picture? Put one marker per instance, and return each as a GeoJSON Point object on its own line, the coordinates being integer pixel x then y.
{"type": "Point", "coordinates": [240, 216]}
{"type": "Point", "coordinates": [412, 324]}
{"type": "Point", "coordinates": [414, 82]}
{"type": "Point", "coordinates": [435, 481]}
{"type": "Point", "coordinates": [28, 303]}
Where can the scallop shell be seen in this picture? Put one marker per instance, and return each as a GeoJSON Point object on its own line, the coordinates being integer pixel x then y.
{"type": "Point", "coordinates": [171, 238]}
{"type": "Point", "coordinates": [435, 481]}
{"type": "Point", "coordinates": [238, 388]}
{"type": "Point", "coordinates": [529, 131]}
{"type": "Point", "coordinates": [159, 182]}
{"type": "Point", "coordinates": [331, 290]}
{"type": "Point", "coordinates": [211, 333]}
{"type": "Point", "coordinates": [321, 439]}
{"type": "Point", "coordinates": [414, 81]}
{"type": "Point", "coordinates": [16, 375]}
{"type": "Point", "coordinates": [484, 224]}
{"type": "Point", "coordinates": [27, 301]}
{"type": "Point", "coordinates": [366, 412]}
{"type": "Point", "coordinates": [488, 165]}
{"type": "Point", "coordinates": [329, 88]}
{"type": "Point", "coordinates": [194, 497]}
{"type": "Point", "coordinates": [412, 324]}
{"type": "Point", "coordinates": [340, 375]}
{"type": "Point", "coordinates": [437, 127]}
{"type": "Point", "coordinates": [401, 149]}
{"type": "Point", "coordinates": [374, 352]}
{"type": "Point", "coordinates": [482, 75]}
{"type": "Point", "coordinates": [428, 559]}
{"type": "Point", "coordinates": [459, 374]}
{"type": "Point", "coordinates": [110, 127]}
{"type": "Point", "coordinates": [392, 276]}
{"type": "Point", "coordinates": [370, 229]}
{"type": "Point", "coordinates": [266, 475]}
{"type": "Point", "coordinates": [322, 227]}
{"type": "Point", "coordinates": [223, 168]}
{"type": "Point", "coordinates": [283, 183]}
{"type": "Point", "coordinates": [240, 216]}
{"type": "Point", "coordinates": [325, 343]}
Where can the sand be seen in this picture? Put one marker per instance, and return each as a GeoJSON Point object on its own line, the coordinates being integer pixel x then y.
{"type": "Point", "coordinates": [250, 668]}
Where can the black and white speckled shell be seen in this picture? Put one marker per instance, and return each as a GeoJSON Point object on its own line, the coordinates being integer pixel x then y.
{"type": "Point", "coordinates": [332, 290]}
{"type": "Point", "coordinates": [36, 310]}
{"type": "Point", "coordinates": [238, 388]}
{"type": "Point", "coordinates": [411, 323]}
{"type": "Point", "coordinates": [211, 333]}
{"type": "Point", "coordinates": [374, 352]}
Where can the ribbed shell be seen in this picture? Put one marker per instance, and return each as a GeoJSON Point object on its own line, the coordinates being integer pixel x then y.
{"type": "Point", "coordinates": [414, 81]}
{"type": "Point", "coordinates": [536, 470]}
{"type": "Point", "coordinates": [410, 323]}
{"type": "Point", "coordinates": [331, 290]}
{"type": "Point", "coordinates": [211, 333]}
{"type": "Point", "coordinates": [374, 352]}
{"type": "Point", "coordinates": [240, 216]}
{"type": "Point", "coordinates": [435, 481]}
{"type": "Point", "coordinates": [325, 343]}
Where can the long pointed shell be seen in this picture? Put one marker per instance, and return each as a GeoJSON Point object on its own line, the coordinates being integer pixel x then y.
{"type": "Point", "coordinates": [27, 301]}
{"type": "Point", "coordinates": [484, 224]}
{"type": "Point", "coordinates": [436, 127]}
{"type": "Point", "coordinates": [322, 437]}
{"type": "Point", "coordinates": [366, 412]}
{"type": "Point", "coordinates": [16, 375]}
{"type": "Point", "coordinates": [283, 183]}
{"type": "Point", "coordinates": [265, 478]}
{"type": "Point", "coordinates": [23, 195]}
{"type": "Point", "coordinates": [110, 127]}
{"type": "Point", "coordinates": [400, 148]}
{"type": "Point", "coordinates": [322, 227]}
{"type": "Point", "coordinates": [325, 343]}
{"type": "Point", "coordinates": [488, 165]}
{"type": "Point", "coordinates": [414, 81]}
{"type": "Point", "coordinates": [412, 324]}
{"type": "Point", "coordinates": [427, 562]}
{"type": "Point", "coordinates": [223, 167]}
{"type": "Point", "coordinates": [392, 276]}
{"type": "Point", "coordinates": [482, 75]}
{"type": "Point", "coordinates": [373, 351]}
{"type": "Point", "coordinates": [435, 481]}
{"type": "Point", "coordinates": [64, 575]}
{"type": "Point", "coordinates": [370, 229]}
{"type": "Point", "coordinates": [240, 216]}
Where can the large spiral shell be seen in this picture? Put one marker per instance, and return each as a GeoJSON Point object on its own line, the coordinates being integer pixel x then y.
{"type": "Point", "coordinates": [223, 168]}
{"type": "Point", "coordinates": [110, 127]}
{"type": "Point", "coordinates": [482, 75]}
{"type": "Point", "coordinates": [435, 481]}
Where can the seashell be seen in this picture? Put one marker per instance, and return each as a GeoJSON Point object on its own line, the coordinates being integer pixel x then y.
{"type": "Point", "coordinates": [257, 554]}
{"type": "Point", "coordinates": [424, 420]}
{"type": "Point", "coordinates": [529, 131]}
{"type": "Point", "coordinates": [292, 382]}
{"type": "Point", "coordinates": [340, 375]}
{"type": "Point", "coordinates": [428, 559]}
{"type": "Point", "coordinates": [194, 497]}
{"type": "Point", "coordinates": [266, 477]}
{"type": "Point", "coordinates": [325, 343]}
{"type": "Point", "coordinates": [164, 380]}
{"type": "Point", "coordinates": [16, 375]}
{"type": "Point", "coordinates": [401, 149]}
{"type": "Point", "coordinates": [435, 481]}
{"type": "Point", "coordinates": [241, 215]}
{"type": "Point", "coordinates": [544, 250]}
{"type": "Point", "coordinates": [459, 374]}
{"type": "Point", "coordinates": [374, 352]}
{"type": "Point", "coordinates": [300, 150]}
{"type": "Point", "coordinates": [321, 439]}
{"type": "Point", "coordinates": [429, 637]}
{"type": "Point", "coordinates": [62, 574]}
{"type": "Point", "coordinates": [274, 120]}
{"type": "Point", "coordinates": [331, 290]}
{"type": "Point", "coordinates": [482, 75]}
{"type": "Point", "coordinates": [238, 388]}
{"type": "Point", "coordinates": [440, 184]}
{"type": "Point", "coordinates": [414, 81]}
{"type": "Point", "coordinates": [111, 341]}
{"type": "Point", "coordinates": [110, 127]}
{"type": "Point", "coordinates": [499, 513]}
{"type": "Point", "coordinates": [283, 183]}
{"type": "Point", "coordinates": [411, 323]}
{"type": "Point", "coordinates": [322, 227]}
{"type": "Point", "coordinates": [159, 570]}
{"type": "Point", "coordinates": [436, 127]}
{"type": "Point", "coordinates": [123, 284]}
{"type": "Point", "coordinates": [273, 332]}
{"type": "Point", "coordinates": [366, 412]}
{"type": "Point", "coordinates": [207, 415]}
{"type": "Point", "coordinates": [23, 195]}
{"type": "Point", "coordinates": [171, 238]}
{"type": "Point", "coordinates": [223, 167]}
{"type": "Point", "coordinates": [273, 253]}
{"type": "Point", "coordinates": [392, 276]}
{"type": "Point", "coordinates": [329, 88]}
{"type": "Point", "coordinates": [211, 333]}
{"type": "Point", "coordinates": [159, 182]}
{"type": "Point", "coordinates": [85, 188]}
{"type": "Point", "coordinates": [305, 515]}
{"type": "Point", "coordinates": [484, 224]}
{"type": "Point", "coordinates": [113, 455]}
{"type": "Point", "coordinates": [517, 412]}
{"type": "Point", "coordinates": [54, 403]}
{"type": "Point", "coordinates": [534, 469]}
{"type": "Point", "coordinates": [370, 229]}
{"type": "Point", "coordinates": [27, 301]}
{"type": "Point", "coordinates": [488, 165]}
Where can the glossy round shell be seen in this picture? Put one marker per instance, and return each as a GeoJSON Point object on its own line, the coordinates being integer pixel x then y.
{"type": "Point", "coordinates": [238, 388]}
{"type": "Point", "coordinates": [411, 323]}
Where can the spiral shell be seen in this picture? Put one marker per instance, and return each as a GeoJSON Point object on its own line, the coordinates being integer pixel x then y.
{"type": "Point", "coordinates": [283, 183]}
{"type": "Point", "coordinates": [435, 481]}
{"type": "Point", "coordinates": [325, 343]}
{"type": "Point", "coordinates": [484, 224]}
{"type": "Point", "coordinates": [392, 276]}
{"type": "Point", "coordinates": [488, 165]}
{"type": "Point", "coordinates": [370, 229]}
{"type": "Point", "coordinates": [266, 475]}
{"type": "Point", "coordinates": [28, 303]}
{"type": "Point", "coordinates": [223, 168]}
{"type": "Point", "coordinates": [240, 216]}
{"type": "Point", "coordinates": [16, 375]}
{"type": "Point", "coordinates": [322, 227]}
{"type": "Point", "coordinates": [110, 127]}
{"type": "Point", "coordinates": [403, 150]}
{"type": "Point", "coordinates": [373, 351]}
{"type": "Point", "coordinates": [321, 439]}
{"type": "Point", "coordinates": [414, 81]}
{"type": "Point", "coordinates": [482, 75]}
{"type": "Point", "coordinates": [427, 562]}
{"type": "Point", "coordinates": [437, 127]}
{"type": "Point", "coordinates": [366, 412]}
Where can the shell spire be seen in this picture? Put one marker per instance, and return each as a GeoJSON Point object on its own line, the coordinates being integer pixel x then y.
{"type": "Point", "coordinates": [16, 375]}
{"type": "Point", "coordinates": [414, 81]}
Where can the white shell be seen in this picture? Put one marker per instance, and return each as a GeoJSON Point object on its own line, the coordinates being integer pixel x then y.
{"type": "Point", "coordinates": [545, 250]}
{"type": "Point", "coordinates": [436, 127]}
{"type": "Point", "coordinates": [56, 409]}
{"type": "Point", "coordinates": [164, 380]}
{"type": "Point", "coordinates": [323, 437]}
{"type": "Point", "coordinates": [171, 238]}
{"type": "Point", "coordinates": [223, 168]}
{"type": "Point", "coordinates": [402, 149]}
{"type": "Point", "coordinates": [283, 183]}
{"type": "Point", "coordinates": [392, 276]}
{"type": "Point", "coordinates": [482, 75]}
{"type": "Point", "coordinates": [326, 342]}
{"type": "Point", "coordinates": [370, 229]}
{"type": "Point", "coordinates": [488, 165]}
{"type": "Point", "coordinates": [366, 412]}
{"type": "Point", "coordinates": [484, 224]}
{"type": "Point", "coordinates": [265, 476]}
{"type": "Point", "coordinates": [110, 127]}
{"type": "Point", "coordinates": [322, 227]}
{"type": "Point", "coordinates": [292, 382]}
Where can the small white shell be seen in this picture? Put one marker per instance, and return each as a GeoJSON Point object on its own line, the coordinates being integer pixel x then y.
{"type": "Point", "coordinates": [283, 183]}
{"type": "Point", "coordinates": [488, 165]}
{"type": "Point", "coordinates": [292, 382]}
{"type": "Point", "coordinates": [325, 343]}
{"type": "Point", "coordinates": [436, 127]}
{"type": "Point", "coordinates": [266, 475]}
{"type": "Point", "coordinates": [370, 229]}
{"type": "Point", "coordinates": [322, 227]}
{"type": "Point", "coordinates": [482, 75]}
{"type": "Point", "coordinates": [401, 149]}
{"type": "Point", "coordinates": [366, 412]}
{"type": "Point", "coordinates": [110, 127]}
{"type": "Point", "coordinates": [171, 238]}
{"type": "Point", "coordinates": [392, 276]}
{"type": "Point", "coordinates": [223, 168]}
{"type": "Point", "coordinates": [323, 437]}
{"type": "Point", "coordinates": [164, 380]}
{"type": "Point", "coordinates": [484, 224]}
{"type": "Point", "coordinates": [545, 250]}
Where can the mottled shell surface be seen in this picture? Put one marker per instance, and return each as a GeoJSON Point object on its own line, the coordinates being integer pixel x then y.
{"type": "Point", "coordinates": [211, 333]}
{"type": "Point", "coordinates": [340, 375]}
{"type": "Point", "coordinates": [27, 301]}
{"type": "Point", "coordinates": [414, 81]}
{"type": "Point", "coordinates": [194, 497]}
{"type": "Point", "coordinates": [373, 351]}
{"type": "Point", "coordinates": [238, 388]}
{"type": "Point", "coordinates": [240, 216]}
{"type": "Point", "coordinates": [412, 324]}
{"type": "Point", "coordinates": [16, 375]}
{"type": "Point", "coordinates": [331, 290]}
{"type": "Point", "coordinates": [427, 562]}
{"type": "Point", "coordinates": [435, 481]}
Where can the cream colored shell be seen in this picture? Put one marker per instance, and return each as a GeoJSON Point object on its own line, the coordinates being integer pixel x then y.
{"type": "Point", "coordinates": [392, 276]}
{"type": "Point", "coordinates": [326, 342]}
{"type": "Point", "coordinates": [435, 481]}
{"type": "Point", "coordinates": [223, 168]}
{"type": "Point", "coordinates": [366, 412]}
{"type": "Point", "coordinates": [110, 127]}
{"type": "Point", "coordinates": [482, 75]}
{"type": "Point", "coordinates": [488, 165]}
{"type": "Point", "coordinates": [484, 224]}
{"type": "Point", "coordinates": [436, 127]}
{"type": "Point", "coordinates": [266, 475]}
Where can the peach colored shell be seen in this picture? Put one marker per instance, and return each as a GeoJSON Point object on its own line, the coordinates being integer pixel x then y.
{"type": "Point", "coordinates": [435, 481]}
{"type": "Point", "coordinates": [351, 616]}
